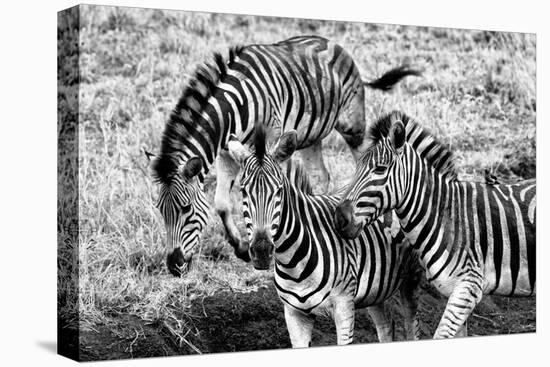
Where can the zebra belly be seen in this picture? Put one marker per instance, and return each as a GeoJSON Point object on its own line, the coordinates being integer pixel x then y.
{"type": "Point", "coordinates": [372, 298]}
{"type": "Point", "coordinates": [318, 307]}
{"type": "Point", "coordinates": [313, 125]}
{"type": "Point", "coordinates": [377, 293]}
{"type": "Point", "coordinates": [504, 287]}
{"type": "Point", "coordinates": [442, 275]}
{"type": "Point", "coordinates": [445, 284]}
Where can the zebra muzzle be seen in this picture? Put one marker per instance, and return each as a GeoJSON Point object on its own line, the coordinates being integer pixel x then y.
{"type": "Point", "coordinates": [177, 263]}
{"type": "Point", "coordinates": [261, 252]}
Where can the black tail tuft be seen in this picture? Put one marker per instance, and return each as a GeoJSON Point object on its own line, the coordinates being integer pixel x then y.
{"type": "Point", "coordinates": [389, 79]}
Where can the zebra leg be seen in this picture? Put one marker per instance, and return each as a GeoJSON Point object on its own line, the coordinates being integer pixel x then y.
{"type": "Point", "coordinates": [313, 161]}
{"type": "Point", "coordinates": [343, 313]}
{"type": "Point", "coordinates": [463, 332]}
{"type": "Point", "coordinates": [352, 124]}
{"type": "Point", "coordinates": [409, 297]}
{"type": "Point", "coordinates": [300, 327]}
{"type": "Point", "coordinates": [465, 296]}
{"type": "Point", "coordinates": [409, 300]}
{"type": "Point", "coordinates": [383, 325]}
{"type": "Point", "coordinates": [226, 171]}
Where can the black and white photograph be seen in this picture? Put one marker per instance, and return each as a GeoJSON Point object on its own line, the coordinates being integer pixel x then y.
{"type": "Point", "coordinates": [230, 183]}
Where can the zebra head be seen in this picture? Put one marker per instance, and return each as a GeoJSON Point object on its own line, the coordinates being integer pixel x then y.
{"type": "Point", "coordinates": [183, 205]}
{"type": "Point", "coordinates": [376, 185]}
{"type": "Point", "coordinates": [262, 188]}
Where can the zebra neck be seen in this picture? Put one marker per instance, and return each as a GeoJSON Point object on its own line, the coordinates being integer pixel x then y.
{"type": "Point", "coordinates": [293, 235]}
{"type": "Point", "coordinates": [229, 110]}
{"type": "Point", "coordinates": [428, 194]}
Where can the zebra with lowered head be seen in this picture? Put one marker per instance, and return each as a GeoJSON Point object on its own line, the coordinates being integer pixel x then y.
{"type": "Point", "coordinates": [316, 271]}
{"type": "Point", "coordinates": [471, 238]}
{"type": "Point", "coordinates": [306, 83]}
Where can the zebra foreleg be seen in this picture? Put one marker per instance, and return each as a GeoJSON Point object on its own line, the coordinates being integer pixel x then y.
{"type": "Point", "coordinates": [226, 172]}
{"type": "Point", "coordinates": [315, 165]}
{"type": "Point", "coordinates": [381, 321]}
{"type": "Point", "coordinates": [409, 300]}
{"type": "Point", "coordinates": [462, 301]}
{"type": "Point", "coordinates": [463, 332]}
{"type": "Point", "coordinates": [408, 292]}
{"type": "Point", "coordinates": [343, 313]}
{"type": "Point", "coordinates": [300, 327]}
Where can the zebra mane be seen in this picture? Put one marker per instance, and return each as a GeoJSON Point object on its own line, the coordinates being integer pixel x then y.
{"type": "Point", "coordinates": [435, 153]}
{"type": "Point", "coordinates": [259, 142]}
{"type": "Point", "coordinates": [187, 112]}
{"type": "Point", "coordinates": [296, 174]}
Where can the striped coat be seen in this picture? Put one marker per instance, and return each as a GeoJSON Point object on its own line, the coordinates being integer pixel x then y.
{"type": "Point", "coordinates": [305, 83]}
{"type": "Point", "coordinates": [316, 271]}
{"type": "Point", "coordinates": [471, 238]}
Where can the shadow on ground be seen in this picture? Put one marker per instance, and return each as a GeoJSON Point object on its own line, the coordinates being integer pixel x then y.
{"type": "Point", "coordinates": [49, 346]}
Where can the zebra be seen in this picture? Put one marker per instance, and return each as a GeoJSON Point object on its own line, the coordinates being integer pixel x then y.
{"type": "Point", "coordinates": [316, 271]}
{"type": "Point", "coordinates": [471, 238]}
{"type": "Point", "coordinates": [305, 83]}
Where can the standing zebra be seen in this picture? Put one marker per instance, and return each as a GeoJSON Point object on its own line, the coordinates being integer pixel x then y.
{"type": "Point", "coordinates": [472, 238]}
{"type": "Point", "coordinates": [308, 84]}
{"type": "Point", "coordinates": [316, 271]}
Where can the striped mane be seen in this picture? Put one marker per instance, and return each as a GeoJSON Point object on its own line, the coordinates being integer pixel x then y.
{"type": "Point", "coordinates": [187, 112]}
{"type": "Point", "coordinates": [260, 142]}
{"type": "Point", "coordinates": [435, 153]}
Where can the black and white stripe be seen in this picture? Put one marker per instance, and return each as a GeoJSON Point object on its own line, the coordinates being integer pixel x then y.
{"type": "Point", "coordinates": [472, 238]}
{"type": "Point", "coordinates": [305, 83]}
{"type": "Point", "coordinates": [317, 271]}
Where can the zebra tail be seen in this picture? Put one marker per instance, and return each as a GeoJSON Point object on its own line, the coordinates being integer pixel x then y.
{"type": "Point", "coordinates": [389, 79]}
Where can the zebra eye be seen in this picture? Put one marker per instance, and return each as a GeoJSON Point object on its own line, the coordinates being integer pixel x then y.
{"type": "Point", "coordinates": [380, 169]}
{"type": "Point", "coordinates": [185, 208]}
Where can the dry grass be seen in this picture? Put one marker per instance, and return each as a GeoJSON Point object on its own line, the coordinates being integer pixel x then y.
{"type": "Point", "coordinates": [477, 94]}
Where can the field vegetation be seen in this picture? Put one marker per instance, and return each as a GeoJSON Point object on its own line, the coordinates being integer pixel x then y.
{"type": "Point", "coordinates": [477, 94]}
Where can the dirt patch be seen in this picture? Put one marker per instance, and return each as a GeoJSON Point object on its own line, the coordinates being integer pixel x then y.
{"type": "Point", "coordinates": [232, 321]}
{"type": "Point", "coordinates": [127, 337]}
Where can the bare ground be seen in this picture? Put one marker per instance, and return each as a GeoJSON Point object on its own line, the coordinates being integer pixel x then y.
{"type": "Point", "coordinates": [233, 321]}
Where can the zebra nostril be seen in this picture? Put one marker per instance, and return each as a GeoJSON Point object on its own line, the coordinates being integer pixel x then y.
{"type": "Point", "coordinates": [175, 262]}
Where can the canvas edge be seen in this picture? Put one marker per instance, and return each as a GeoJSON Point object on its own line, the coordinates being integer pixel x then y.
{"type": "Point", "coordinates": [68, 87]}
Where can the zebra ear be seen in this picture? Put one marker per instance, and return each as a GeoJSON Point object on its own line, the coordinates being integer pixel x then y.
{"type": "Point", "coordinates": [152, 162]}
{"type": "Point", "coordinates": [397, 136]}
{"type": "Point", "coordinates": [237, 150]}
{"type": "Point", "coordinates": [288, 142]}
{"type": "Point", "coordinates": [192, 167]}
